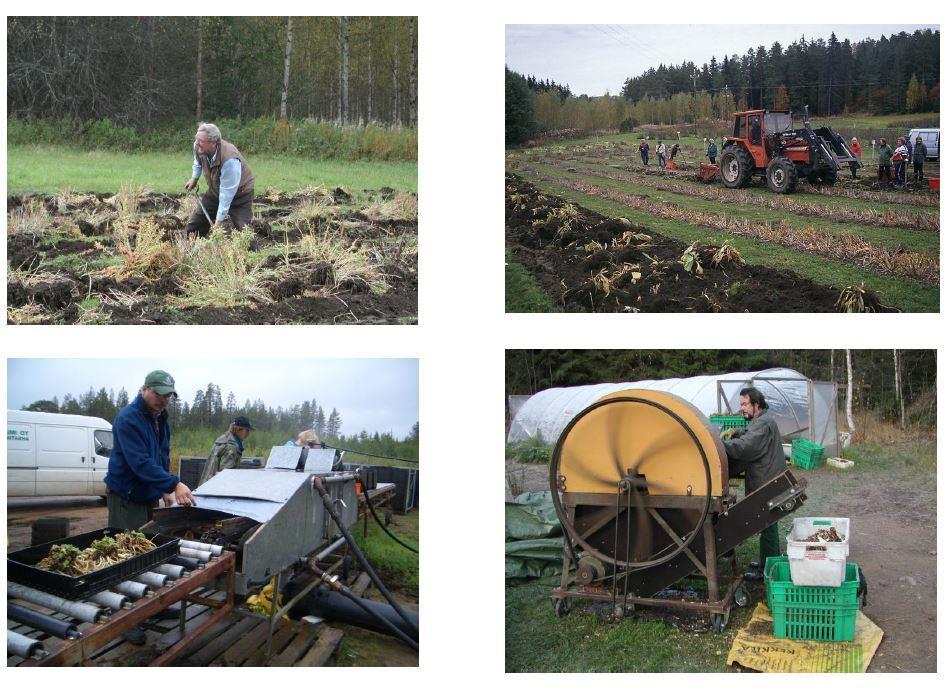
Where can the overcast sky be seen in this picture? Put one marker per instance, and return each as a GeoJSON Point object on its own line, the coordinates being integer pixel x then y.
{"type": "Point", "coordinates": [595, 58]}
{"type": "Point", "coordinates": [379, 395]}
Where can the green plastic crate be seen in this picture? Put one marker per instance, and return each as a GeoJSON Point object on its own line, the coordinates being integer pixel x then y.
{"type": "Point", "coordinates": [728, 422]}
{"type": "Point", "coordinates": [806, 454]}
{"type": "Point", "coordinates": [818, 613]}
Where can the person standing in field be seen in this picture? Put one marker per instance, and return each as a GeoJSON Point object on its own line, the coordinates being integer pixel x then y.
{"type": "Point", "coordinates": [857, 149]}
{"type": "Point", "coordinates": [643, 149]}
{"type": "Point", "coordinates": [661, 152]}
{"type": "Point", "coordinates": [675, 150]}
{"type": "Point", "coordinates": [899, 158]}
{"type": "Point", "coordinates": [227, 450]}
{"type": "Point", "coordinates": [231, 184]}
{"type": "Point", "coordinates": [918, 160]}
{"type": "Point", "coordinates": [712, 151]}
{"type": "Point", "coordinates": [885, 161]}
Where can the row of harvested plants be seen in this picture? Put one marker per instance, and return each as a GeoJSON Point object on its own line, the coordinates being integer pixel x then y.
{"type": "Point", "coordinates": [896, 217]}
{"type": "Point", "coordinates": [895, 261]}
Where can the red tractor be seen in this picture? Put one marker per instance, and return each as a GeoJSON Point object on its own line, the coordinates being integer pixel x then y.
{"type": "Point", "coordinates": [765, 142]}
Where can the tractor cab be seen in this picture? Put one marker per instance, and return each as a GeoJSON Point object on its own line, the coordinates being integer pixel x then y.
{"type": "Point", "coordinates": [756, 130]}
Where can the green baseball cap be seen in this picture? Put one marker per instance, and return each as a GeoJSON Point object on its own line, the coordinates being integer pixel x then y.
{"type": "Point", "coordinates": [160, 382]}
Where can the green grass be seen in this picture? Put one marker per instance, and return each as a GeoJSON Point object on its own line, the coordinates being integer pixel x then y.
{"type": "Point", "coordinates": [397, 566]}
{"type": "Point", "coordinates": [523, 293]}
{"type": "Point", "coordinates": [906, 294]}
{"type": "Point", "coordinates": [45, 170]}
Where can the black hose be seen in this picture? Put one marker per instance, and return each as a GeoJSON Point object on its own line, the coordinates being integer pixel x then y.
{"type": "Point", "coordinates": [340, 588]}
{"type": "Point", "coordinates": [381, 587]}
{"type": "Point", "coordinates": [368, 454]}
{"type": "Point", "coordinates": [373, 513]}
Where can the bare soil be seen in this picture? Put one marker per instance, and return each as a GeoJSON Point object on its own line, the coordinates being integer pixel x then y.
{"type": "Point", "coordinates": [566, 258]}
{"type": "Point", "coordinates": [76, 243]}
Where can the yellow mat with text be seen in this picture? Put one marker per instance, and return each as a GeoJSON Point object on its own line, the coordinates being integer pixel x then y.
{"type": "Point", "coordinates": [756, 647]}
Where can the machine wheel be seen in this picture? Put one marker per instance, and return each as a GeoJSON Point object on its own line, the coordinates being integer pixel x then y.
{"type": "Point", "coordinates": [781, 176]}
{"type": "Point", "coordinates": [718, 622]}
{"type": "Point", "coordinates": [742, 597]}
{"type": "Point", "coordinates": [824, 177]}
{"type": "Point", "coordinates": [562, 607]}
{"type": "Point", "coordinates": [737, 166]}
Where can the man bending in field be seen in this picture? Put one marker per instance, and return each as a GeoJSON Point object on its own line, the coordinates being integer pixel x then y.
{"type": "Point", "coordinates": [231, 184]}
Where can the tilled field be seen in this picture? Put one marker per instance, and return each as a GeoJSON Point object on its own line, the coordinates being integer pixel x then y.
{"type": "Point", "coordinates": [315, 256]}
{"type": "Point", "coordinates": [589, 263]}
{"type": "Point", "coordinates": [877, 243]}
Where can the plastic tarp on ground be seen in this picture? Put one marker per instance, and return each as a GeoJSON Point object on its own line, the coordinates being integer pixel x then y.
{"type": "Point", "coordinates": [791, 396]}
{"type": "Point", "coordinates": [533, 537]}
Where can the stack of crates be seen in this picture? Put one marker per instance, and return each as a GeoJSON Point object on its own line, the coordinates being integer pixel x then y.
{"type": "Point", "coordinates": [727, 422]}
{"type": "Point", "coordinates": [806, 454]}
{"type": "Point", "coordinates": [818, 613]}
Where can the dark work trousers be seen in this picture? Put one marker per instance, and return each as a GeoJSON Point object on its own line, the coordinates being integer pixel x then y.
{"type": "Point", "coordinates": [885, 172]}
{"type": "Point", "coordinates": [126, 514]}
{"type": "Point", "coordinates": [712, 158]}
{"type": "Point", "coordinates": [644, 158]}
{"type": "Point", "coordinates": [239, 212]}
{"type": "Point", "coordinates": [917, 171]}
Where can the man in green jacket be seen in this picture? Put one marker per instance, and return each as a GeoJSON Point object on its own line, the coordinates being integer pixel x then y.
{"type": "Point", "coordinates": [757, 451]}
{"type": "Point", "coordinates": [227, 450]}
{"type": "Point", "coordinates": [885, 161]}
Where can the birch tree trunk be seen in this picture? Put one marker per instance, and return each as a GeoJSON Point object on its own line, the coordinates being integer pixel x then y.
{"type": "Point", "coordinates": [413, 71]}
{"type": "Point", "coordinates": [897, 363]}
{"type": "Point", "coordinates": [344, 70]}
{"type": "Point", "coordinates": [198, 73]}
{"type": "Point", "coordinates": [287, 75]}
{"type": "Point", "coordinates": [849, 392]}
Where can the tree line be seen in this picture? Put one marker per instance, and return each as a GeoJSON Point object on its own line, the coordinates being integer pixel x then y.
{"type": "Point", "coordinates": [144, 71]}
{"type": "Point", "coordinates": [888, 75]}
{"type": "Point", "coordinates": [194, 425]}
{"type": "Point", "coordinates": [897, 384]}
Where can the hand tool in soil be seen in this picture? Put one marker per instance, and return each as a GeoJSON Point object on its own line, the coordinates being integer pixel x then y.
{"type": "Point", "coordinates": [199, 200]}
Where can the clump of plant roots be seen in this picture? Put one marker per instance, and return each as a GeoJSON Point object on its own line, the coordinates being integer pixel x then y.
{"type": "Point", "coordinates": [108, 550]}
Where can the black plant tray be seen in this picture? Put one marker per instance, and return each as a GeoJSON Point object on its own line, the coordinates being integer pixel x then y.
{"type": "Point", "coordinates": [21, 569]}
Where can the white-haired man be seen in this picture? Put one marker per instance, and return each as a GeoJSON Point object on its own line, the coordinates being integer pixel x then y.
{"type": "Point", "coordinates": [231, 184]}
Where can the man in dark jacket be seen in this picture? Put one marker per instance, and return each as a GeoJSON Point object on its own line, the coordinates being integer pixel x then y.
{"type": "Point", "coordinates": [757, 451]}
{"type": "Point", "coordinates": [138, 475]}
{"type": "Point", "coordinates": [227, 450]}
{"type": "Point", "coordinates": [231, 184]}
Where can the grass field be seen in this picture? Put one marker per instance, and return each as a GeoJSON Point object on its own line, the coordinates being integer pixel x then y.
{"type": "Point", "coordinates": [46, 170]}
{"type": "Point", "coordinates": [892, 235]}
{"type": "Point", "coordinates": [893, 483]}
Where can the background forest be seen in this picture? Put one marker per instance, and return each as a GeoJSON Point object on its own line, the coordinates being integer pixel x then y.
{"type": "Point", "coordinates": [890, 75]}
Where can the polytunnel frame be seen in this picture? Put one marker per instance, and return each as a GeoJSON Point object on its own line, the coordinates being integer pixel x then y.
{"type": "Point", "coordinates": [811, 404]}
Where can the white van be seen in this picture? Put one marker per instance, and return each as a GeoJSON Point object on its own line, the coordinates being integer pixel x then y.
{"type": "Point", "coordinates": [56, 454]}
{"type": "Point", "coordinates": [930, 137]}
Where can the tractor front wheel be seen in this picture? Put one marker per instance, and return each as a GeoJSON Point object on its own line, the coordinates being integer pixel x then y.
{"type": "Point", "coordinates": [781, 175]}
{"type": "Point", "coordinates": [737, 167]}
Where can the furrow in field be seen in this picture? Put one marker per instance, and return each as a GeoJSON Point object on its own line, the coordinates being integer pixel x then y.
{"type": "Point", "coordinates": [922, 267]}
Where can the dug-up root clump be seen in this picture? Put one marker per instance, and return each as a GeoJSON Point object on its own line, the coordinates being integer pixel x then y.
{"type": "Point", "coordinates": [109, 550]}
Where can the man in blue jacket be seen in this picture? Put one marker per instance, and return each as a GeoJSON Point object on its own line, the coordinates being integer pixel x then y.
{"type": "Point", "coordinates": [139, 474]}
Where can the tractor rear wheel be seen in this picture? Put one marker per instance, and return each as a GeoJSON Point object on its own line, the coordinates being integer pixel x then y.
{"type": "Point", "coordinates": [825, 177]}
{"type": "Point", "coordinates": [737, 166]}
{"type": "Point", "coordinates": [781, 175]}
